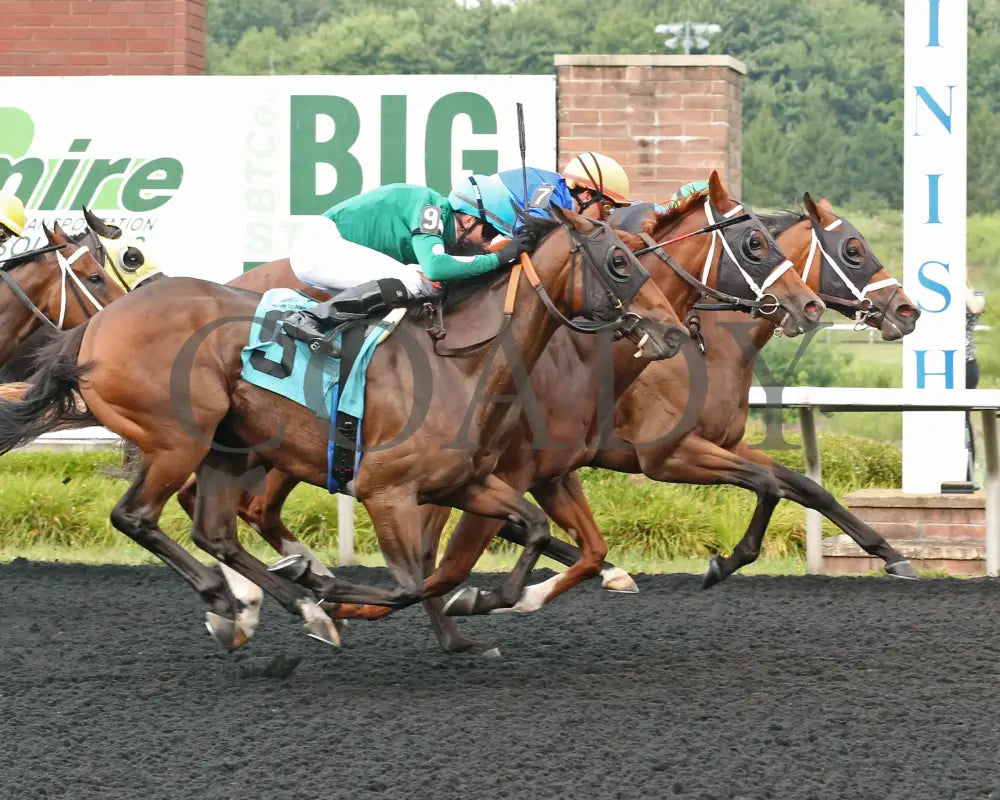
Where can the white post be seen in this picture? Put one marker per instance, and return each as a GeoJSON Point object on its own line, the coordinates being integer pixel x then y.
{"type": "Point", "coordinates": [992, 492]}
{"type": "Point", "coordinates": [814, 471]}
{"type": "Point", "coordinates": [935, 71]}
{"type": "Point", "coordinates": [345, 529]}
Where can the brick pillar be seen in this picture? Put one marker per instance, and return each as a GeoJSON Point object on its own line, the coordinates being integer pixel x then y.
{"type": "Point", "coordinates": [102, 37]}
{"type": "Point", "coordinates": [667, 119]}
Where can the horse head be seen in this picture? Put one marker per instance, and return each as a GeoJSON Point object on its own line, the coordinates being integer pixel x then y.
{"type": "Point", "coordinates": [847, 274]}
{"type": "Point", "coordinates": [600, 280]}
{"type": "Point", "coordinates": [126, 259]}
{"type": "Point", "coordinates": [738, 261]}
{"type": "Point", "coordinates": [59, 288]}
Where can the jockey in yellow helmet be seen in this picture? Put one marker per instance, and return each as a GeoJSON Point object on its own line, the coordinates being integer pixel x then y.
{"type": "Point", "coordinates": [12, 216]}
{"type": "Point", "coordinates": [597, 179]}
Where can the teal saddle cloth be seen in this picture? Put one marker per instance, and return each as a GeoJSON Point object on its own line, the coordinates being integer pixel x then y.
{"type": "Point", "coordinates": [278, 363]}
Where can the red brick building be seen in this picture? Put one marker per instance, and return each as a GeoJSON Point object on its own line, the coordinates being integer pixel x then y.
{"type": "Point", "coordinates": [102, 37]}
{"type": "Point", "coordinates": [667, 119]}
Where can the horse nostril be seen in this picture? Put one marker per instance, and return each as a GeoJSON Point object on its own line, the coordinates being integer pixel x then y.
{"type": "Point", "coordinates": [814, 310]}
{"type": "Point", "coordinates": [906, 312]}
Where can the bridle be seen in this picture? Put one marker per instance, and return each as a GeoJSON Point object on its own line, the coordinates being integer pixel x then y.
{"type": "Point", "coordinates": [611, 276]}
{"type": "Point", "coordinates": [70, 282]}
{"type": "Point", "coordinates": [821, 244]}
{"type": "Point", "coordinates": [733, 228]}
{"type": "Point", "coordinates": [777, 263]}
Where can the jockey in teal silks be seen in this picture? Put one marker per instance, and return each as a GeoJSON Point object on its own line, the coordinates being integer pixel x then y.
{"type": "Point", "coordinates": [392, 244]}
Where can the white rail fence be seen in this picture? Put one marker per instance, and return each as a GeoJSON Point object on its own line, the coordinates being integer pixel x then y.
{"type": "Point", "coordinates": [806, 399]}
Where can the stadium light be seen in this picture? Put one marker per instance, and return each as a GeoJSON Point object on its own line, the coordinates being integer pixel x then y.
{"type": "Point", "coordinates": [689, 35]}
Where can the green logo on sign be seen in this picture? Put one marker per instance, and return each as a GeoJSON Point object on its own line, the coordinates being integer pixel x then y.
{"type": "Point", "coordinates": [73, 180]}
{"type": "Point", "coordinates": [310, 151]}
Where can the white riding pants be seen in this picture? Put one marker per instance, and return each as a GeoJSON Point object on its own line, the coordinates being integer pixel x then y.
{"type": "Point", "coordinates": [324, 259]}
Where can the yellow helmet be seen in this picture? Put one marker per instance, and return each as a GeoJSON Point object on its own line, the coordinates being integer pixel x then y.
{"type": "Point", "coordinates": [12, 214]}
{"type": "Point", "coordinates": [598, 172]}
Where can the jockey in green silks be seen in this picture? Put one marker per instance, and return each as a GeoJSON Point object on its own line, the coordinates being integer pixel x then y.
{"type": "Point", "coordinates": [392, 244]}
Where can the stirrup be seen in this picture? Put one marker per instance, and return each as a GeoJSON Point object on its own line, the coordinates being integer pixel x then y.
{"type": "Point", "coordinates": [325, 345]}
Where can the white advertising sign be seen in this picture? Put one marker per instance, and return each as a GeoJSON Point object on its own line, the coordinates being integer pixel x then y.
{"type": "Point", "coordinates": [934, 191]}
{"type": "Point", "coordinates": [212, 171]}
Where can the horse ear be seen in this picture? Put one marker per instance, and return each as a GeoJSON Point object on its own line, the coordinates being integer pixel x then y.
{"type": "Point", "coordinates": [58, 230]}
{"type": "Point", "coordinates": [717, 192]}
{"type": "Point", "coordinates": [825, 205]}
{"type": "Point", "coordinates": [48, 234]}
{"type": "Point", "coordinates": [576, 221]}
{"type": "Point", "coordinates": [811, 209]}
{"type": "Point", "coordinates": [99, 226]}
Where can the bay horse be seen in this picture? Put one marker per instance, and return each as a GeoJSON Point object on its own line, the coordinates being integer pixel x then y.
{"type": "Point", "coordinates": [654, 415]}
{"type": "Point", "coordinates": [183, 403]}
{"type": "Point", "coordinates": [568, 382]}
{"type": "Point", "coordinates": [54, 290]}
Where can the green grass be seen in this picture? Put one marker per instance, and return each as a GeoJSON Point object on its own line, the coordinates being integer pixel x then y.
{"type": "Point", "coordinates": [60, 503]}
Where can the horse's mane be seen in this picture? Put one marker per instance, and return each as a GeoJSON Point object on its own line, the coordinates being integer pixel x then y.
{"type": "Point", "coordinates": [20, 261]}
{"type": "Point", "coordinates": [458, 291]}
{"type": "Point", "coordinates": [657, 219]}
{"type": "Point", "coordinates": [777, 222]}
{"type": "Point", "coordinates": [17, 261]}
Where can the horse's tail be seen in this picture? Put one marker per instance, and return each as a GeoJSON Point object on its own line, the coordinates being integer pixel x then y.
{"type": "Point", "coordinates": [52, 399]}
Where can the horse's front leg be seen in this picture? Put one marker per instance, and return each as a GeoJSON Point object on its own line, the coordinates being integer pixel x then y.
{"type": "Point", "coordinates": [495, 499]}
{"type": "Point", "coordinates": [810, 494]}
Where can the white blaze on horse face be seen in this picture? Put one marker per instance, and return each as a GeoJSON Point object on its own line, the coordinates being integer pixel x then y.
{"type": "Point", "coordinates": [296, 548]}
{"type": "Point", "coordinates": [249, 594]}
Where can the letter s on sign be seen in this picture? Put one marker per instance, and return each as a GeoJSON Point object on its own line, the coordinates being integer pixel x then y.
{"type": "Point", "coordinates": [934, 286]}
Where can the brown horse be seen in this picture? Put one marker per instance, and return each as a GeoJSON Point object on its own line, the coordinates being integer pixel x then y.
{"type": "Point", "coordinates": [568, 382]}
{"type": "Point", "coordinates": [57, 290]}
{"type": "Point", "coordinates": [183, 403]}
{"type": "Point", "coordinates": [679, 432]}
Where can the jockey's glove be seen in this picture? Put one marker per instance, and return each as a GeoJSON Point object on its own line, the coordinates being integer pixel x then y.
{"type": "Point", "coordinates": [523, 242]}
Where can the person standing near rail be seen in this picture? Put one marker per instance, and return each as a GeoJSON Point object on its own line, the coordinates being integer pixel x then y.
{"type": "Point", "coordinates": [975, 304]}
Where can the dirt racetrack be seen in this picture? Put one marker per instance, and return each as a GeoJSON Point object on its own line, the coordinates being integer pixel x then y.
{"type": "Point", "coordinates": [760, 688]}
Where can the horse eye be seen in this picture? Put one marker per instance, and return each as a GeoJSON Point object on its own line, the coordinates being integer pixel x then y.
{"type": "Point", "coordinates": [132, 258]}
{"type": "Point", "coordinates": [853, 252]}
{"type": "Point", "coordinates": [753, 244]}
{"type": "Point", "coordinates": [619, 267]}
{"type": "Point", "coordinates": [95, 279]}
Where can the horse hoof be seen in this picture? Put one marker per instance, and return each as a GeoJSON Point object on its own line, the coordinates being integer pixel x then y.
{"type": "Point", "coordinates": [618, 580]}
{"type": "Point", "coordinates": [291, 568]}
{"type": "Point", "coordinates": [714, 574]}
{"type": "Point", "coordinates": [903, 570]}
{"type": "Point", "coordinates": [462, 603]}
{"type": "Point", "coordinates": [323, 630]}
{"type": "Point", "coordinates": [225, 631]}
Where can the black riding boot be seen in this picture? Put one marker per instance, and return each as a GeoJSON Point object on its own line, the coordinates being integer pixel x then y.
{"type": "Point", "coordinates": [356, 303]}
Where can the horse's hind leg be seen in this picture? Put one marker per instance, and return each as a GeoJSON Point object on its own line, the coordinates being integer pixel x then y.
{"type": "Point", "coordinates": [137, 514]}
{"type": "Point", "coordinates": [220, 478]}
{"type": "Point", "coordinates": [263, 514]}
{"type": "Point", "coordinates": [563, 500]}
{"type": "Point", "coordinates": [496, 499]}
{"type": "Point", "coordinates": [613, 578]}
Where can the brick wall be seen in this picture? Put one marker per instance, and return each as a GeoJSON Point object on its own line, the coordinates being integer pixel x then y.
{"type": "Point", "coordinates": [102, 37]}
{"type": "Point", "coordinates": [667, 119]}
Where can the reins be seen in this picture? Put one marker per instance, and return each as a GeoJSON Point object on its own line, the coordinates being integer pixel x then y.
{"type": "Point", "coordinates": [624, 321]}
{"type": "Point", "coordinates": [70, 283]}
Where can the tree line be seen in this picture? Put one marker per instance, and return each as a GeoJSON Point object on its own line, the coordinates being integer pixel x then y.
{"type": "Point", "coordinates": [823, 97]}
